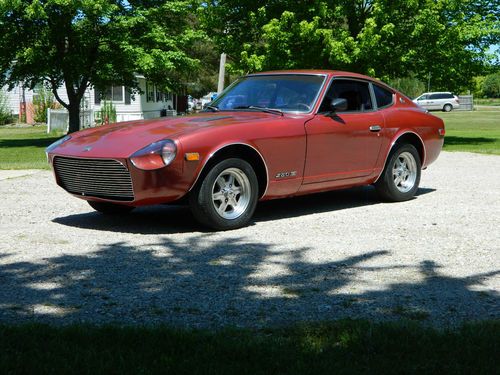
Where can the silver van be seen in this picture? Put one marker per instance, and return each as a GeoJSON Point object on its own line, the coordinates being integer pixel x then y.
{"type": "Point", "coordinates": [443, 101]}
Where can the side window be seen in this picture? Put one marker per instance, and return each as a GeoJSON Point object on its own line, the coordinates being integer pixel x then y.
{"type": "Point", "coordinates": [355, 92]}
{"type": "Point", "coordinates": [434, 96]}
{"type": "Point", "coordinates": [383, 96]}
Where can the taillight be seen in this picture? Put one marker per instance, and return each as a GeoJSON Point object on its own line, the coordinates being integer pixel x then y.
{"type": "Point", "coordinates": [442, 132]}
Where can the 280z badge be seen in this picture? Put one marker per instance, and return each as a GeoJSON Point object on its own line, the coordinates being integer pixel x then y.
{"type": "Point", "coordinates": [286, 174]}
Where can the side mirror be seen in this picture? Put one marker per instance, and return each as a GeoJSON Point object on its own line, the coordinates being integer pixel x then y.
{"type": "Point", "coordinates": [338, 105]}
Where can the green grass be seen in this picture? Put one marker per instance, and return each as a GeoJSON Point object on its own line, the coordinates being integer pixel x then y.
{"type": "Point", "coordinates": [24, 147]}
{"type": "Point", "coordinates": [472, 131]}
{"type": "Point", "coordinates": [342, 347]}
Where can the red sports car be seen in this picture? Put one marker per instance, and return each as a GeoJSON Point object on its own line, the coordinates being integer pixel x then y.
{"type": "Point", "coordinates": [268, 135]}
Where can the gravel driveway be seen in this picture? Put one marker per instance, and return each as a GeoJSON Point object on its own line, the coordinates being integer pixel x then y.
{"type": "Point", "coordinates": [328, 256]}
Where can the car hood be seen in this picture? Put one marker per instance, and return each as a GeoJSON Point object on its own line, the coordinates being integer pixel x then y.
{"type": "Point", "coordinates": [121, 140]}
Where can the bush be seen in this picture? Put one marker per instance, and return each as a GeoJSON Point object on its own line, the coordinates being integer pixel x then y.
{"type": "Point", "coordinates": [409, 86]}
{"type": "Point", "coordinates": [43, 100]}
{"type": "Point", "coordinates": [491, 86]}
{"type": "Point", "coordinates": [107, 114]}
{"type": "Point", "coordinates": [5, 112]}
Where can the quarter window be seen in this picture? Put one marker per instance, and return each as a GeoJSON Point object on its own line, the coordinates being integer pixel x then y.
{"type": "Point", "coordinates": [383, 96]}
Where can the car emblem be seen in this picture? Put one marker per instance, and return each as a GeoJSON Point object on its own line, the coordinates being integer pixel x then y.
{"type": "Point", "coordinates": [88, 148]}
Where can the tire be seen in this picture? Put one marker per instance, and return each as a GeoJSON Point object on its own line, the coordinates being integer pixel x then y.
{"type": "Point", "coordinates": [110, 208]}
{"type": "Point", "coordinates": [227, 196]}
{"type": "Point", "coordinates": [447, 108]}
{"type": "Point", "coordinates": [401, 176]}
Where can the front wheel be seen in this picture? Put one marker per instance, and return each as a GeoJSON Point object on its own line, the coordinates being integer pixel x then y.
{"type": "Point", "coordinates": [401, 176]}
{"type": "Point", "coordinates": [110, 208]}
{"type": "Point", "coordinates": [226, 198]}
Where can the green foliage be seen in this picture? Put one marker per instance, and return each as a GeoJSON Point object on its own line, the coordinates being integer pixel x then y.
{"type": "Point", "coordinates": [5, 112]}
{"type": "Point", "coordinates": [107, 114]}
{"type": "Point", "coordinates": [410, 86]}
{"type": "Point", "coordinates": [491, 86]}
{"type": "Point", "coordinates": [385, 38]}
{"type": "Point", "coordinates": [42, 101]}
{"type": "Point", "coordinates": [81, 43]}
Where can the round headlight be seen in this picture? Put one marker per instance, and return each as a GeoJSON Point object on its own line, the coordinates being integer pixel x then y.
{"type": "Point", "coordinates": [168, 152]}
{"type": "Point", "coordinates": [156, 155]}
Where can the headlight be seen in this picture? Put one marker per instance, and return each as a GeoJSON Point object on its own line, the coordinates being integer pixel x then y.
{"type": "Point", "coordinates": [156, 155]}
{"type": "Point", "coordinates": [57, 143]}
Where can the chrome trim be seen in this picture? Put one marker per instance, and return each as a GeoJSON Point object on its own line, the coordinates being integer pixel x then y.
{"type": "Point", "coordinates": [227, 145]}
{"type": "Point", "coordinates": [104, 178]}
{"type": "Point", "coordinates": [392, 145]}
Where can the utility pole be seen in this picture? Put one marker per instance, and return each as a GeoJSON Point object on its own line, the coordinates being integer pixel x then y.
{"type": "Point", "coordinates": [222, 72]}
{"type": "Point", "coordinates": [429, 83]}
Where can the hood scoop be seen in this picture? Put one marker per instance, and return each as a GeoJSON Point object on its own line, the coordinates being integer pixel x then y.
{"type": "Point", "coordinates": [209, 119]}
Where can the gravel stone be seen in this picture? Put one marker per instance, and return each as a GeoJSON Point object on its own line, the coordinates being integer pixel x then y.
{"type": "Point", "coordinates": [342, 254]}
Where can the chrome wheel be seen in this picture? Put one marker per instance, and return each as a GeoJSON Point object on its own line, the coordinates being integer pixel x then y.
{"type": "Point", "coordinates": [231, 193]}
{"type": "Point", "coordinates": [404, 172]}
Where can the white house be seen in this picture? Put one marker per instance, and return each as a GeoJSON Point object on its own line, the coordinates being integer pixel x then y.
{"type": "Point", "coordinates": [151, 104]}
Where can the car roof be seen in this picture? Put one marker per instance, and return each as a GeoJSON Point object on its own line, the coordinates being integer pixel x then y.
{"type": "Point", "coordinates": [329, 73]}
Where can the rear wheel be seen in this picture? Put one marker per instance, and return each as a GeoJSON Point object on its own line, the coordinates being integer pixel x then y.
{"type": "Point", "coordinates": [401, 176]}
{"type": "Point", "coordinates": [227, 196]}
{"type": "Point", "coordinates": [110, 208]}
{"type": "Point", "coordinates": [447, 108]}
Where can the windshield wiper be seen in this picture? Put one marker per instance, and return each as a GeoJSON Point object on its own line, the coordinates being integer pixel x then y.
{"type": "Point", "coordinates": [212, 108]}
{"type": "Point", "coordinates": [262, 109]}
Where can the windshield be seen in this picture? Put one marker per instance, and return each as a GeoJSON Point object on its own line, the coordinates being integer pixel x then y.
{"type": "Point", "coordinates": [286, 92]}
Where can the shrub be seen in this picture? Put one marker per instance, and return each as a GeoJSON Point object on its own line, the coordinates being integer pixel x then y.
{"type": "Point", "coordinates": [409, 86]}
{"type": "Point", "coordinates": [107, 114]}
{"type": "Point", "coordinates": [43, 100]}
{"type": "Point", "coordinates": [491, 86]}
{"type": "Point", "coordinates": [5, 112]}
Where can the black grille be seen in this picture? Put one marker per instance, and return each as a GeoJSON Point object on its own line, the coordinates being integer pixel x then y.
{"type": "Point", "coordinates": [101, 178]}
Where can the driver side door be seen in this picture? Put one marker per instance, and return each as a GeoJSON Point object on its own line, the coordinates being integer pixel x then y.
{"type": "Point", "coordinates": [344, 145]}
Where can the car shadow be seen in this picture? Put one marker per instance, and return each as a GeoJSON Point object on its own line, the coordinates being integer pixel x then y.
{"type": "Point", "coordinates": [171, 219]}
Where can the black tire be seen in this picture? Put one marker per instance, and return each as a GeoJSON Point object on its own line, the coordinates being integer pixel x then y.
{"type": "Point", "coordinates": [110, 208]}
{"type": "Point", "coordinates": [392, 185]}
{"type": "Point", "coordinates": [447, 108]}
{"type": "Point", "coordinates": [215, 201]}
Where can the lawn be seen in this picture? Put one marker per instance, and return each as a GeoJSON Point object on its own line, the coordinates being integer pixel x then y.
{"type": "Point", "coordinates": [24, 147]}
{"type": "Point", "coordinates": [472, 131]}
{"type": "Point", "coordinates": [342, 347]}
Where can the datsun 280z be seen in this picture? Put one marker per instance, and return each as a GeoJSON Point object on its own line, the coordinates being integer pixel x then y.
{"type": "Point", "coordinates": [268, 135]}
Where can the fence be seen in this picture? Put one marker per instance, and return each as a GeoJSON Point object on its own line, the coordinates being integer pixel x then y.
{"type": "Point", "coordinates": [466, 102]}
{"type": "Point", "coordinates": [58, 119]}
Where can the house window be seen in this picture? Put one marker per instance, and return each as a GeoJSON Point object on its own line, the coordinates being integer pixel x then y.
{"type": "Point", "coordinates": [113, 93]}
{"type": "Point", "coordinates": [150, 92]}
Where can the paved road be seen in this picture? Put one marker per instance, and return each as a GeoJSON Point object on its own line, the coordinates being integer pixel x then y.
{"type": "Point", "coordinates": [328, 256]}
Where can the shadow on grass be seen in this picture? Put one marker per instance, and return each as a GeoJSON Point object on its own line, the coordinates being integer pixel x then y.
{"type": "Point", "coordinates": [472, 141]}
{"type": "Point", "coordinates": [29, 142]}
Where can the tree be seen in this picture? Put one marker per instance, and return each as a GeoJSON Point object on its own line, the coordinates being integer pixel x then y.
{"type": "Point", "coordinates": [83, 43]}
{"type": "Point", "coordinates": [491, 86]}
{"type": "Point", "coordinates": [447, 39]}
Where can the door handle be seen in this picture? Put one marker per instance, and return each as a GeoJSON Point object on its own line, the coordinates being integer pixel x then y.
{"type": "Point", "coordinates": [375, 128]}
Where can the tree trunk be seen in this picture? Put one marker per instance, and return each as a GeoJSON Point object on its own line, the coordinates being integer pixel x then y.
{"type": "Point", "coordinates": [74, 116]}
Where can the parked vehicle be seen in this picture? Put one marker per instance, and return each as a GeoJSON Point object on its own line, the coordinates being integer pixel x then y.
{"type": "Point", "coordinates": [268, 135]}
{"type": "Point", "coordinates": [442, 101]}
